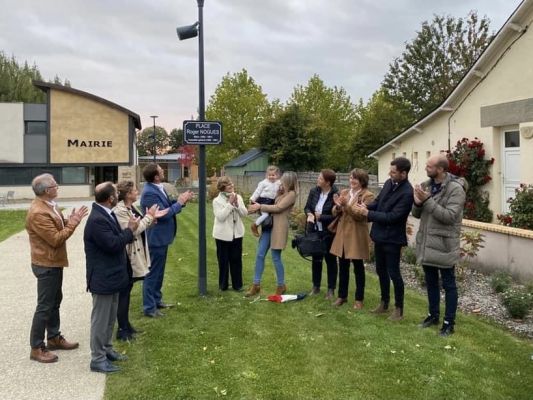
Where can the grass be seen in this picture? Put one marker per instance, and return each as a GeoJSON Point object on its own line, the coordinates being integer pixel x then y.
{"type": "Point", "coordinates": [228, 346]}
{"type": "Point", "coordinates": [11, 222]}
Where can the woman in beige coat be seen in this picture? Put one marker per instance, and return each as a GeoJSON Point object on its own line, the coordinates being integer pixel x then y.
{"type": "Point", "coordinates": [352, 240]}
{"type": "Point", "coordinates": [137, 250]}
{"type": "Point", "coordinates": [228, 231]}
{"type": "Point", "coordinates": [275, 238]}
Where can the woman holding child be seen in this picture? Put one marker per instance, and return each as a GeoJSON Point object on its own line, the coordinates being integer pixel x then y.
{"type": "Point", "coordinates": [276, 237]}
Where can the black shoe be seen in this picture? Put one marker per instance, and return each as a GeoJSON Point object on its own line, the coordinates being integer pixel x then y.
{"type": "Point", "coordinates": [133, 330]}
{"type": "Point", "coordinates": [154, 314]}
{"type": "Point", "coordinates": [429, 321]}
{"type": "Point", "coordinates": [164, 305]}
{"type": "Point", "coordinates": [104, 366]}
{"type": "Point", "coordinates": [125, 335]}
{"type": "Point", "coordinates": [116, 356]}
{"type": "Point", "coordinates": [447, 329]}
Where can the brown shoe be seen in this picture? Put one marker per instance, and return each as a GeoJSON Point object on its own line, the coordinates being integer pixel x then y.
{"type": "Point", "coordinates": [41, 354]}
{"type": "Point", "coordinates": [339, 302]}
{"type": "Point", "coordinates": [315, 290]}
{"type": "Point", "coordinates": [330, 294]}
{"type": "Point", "coordinates": [60, 343]}
{"type": "Point", "coordinates": [255, 231]}
{"type": "Point", "coordinates": [254, 289]}
{"type": "Point", "coordinates": [381, 309]}
{"type": "Point", "coordinates": [358, 305]}
{"type": "Point", "coordinates": [397, 314]}
{"type": "Point", "coordinates": [281, 289]}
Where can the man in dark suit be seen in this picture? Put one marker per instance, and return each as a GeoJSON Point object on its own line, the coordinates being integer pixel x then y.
{"type": "Point", "coordinates": [107, 273]}
{"type": "Point", "coordinates": [388, 214]}
{"type": "Point", "coordinates": [160, 236]}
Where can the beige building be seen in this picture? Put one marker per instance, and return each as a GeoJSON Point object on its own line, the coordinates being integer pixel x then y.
{"type": "Point", "coordinates": [80, 138]}
{"type": "Point", "coordinates": [493, 102]}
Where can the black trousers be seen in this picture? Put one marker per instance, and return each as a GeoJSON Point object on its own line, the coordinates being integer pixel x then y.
{"type": "Point", "coordinates": [344, 278]}
{"type": "Point", "coordinates": [123, 309]}
{"type": "Point", "coordinates": [388, 269]}
{"type": "Point", "coordinates": [331, 266]}
{"type": "Point", "coordinates": [49, 296]}
{"type": "Point", "coordinates": [229, 256]}
{"type": "Point", "coordinates": [450, 292]}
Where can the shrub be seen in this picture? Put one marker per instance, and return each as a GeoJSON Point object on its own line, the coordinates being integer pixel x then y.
{"type": "Point", "coordinates": [468, 160]}
{"type": "Point", "coordinates": [409, 255]}
{"type": "Point", "coordinates": [471, 243]}
{"type": "Point", "coordinates": [520, 213]}
{"type": "Point", "coordinates": [517, 302]}
{"type": "Point", "coordinates": [297, 220]}
{"type": "Point", "coordinates": [500, 282]}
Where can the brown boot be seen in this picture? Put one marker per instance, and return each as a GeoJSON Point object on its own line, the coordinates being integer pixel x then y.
{"type": "Point", "coordinates": [255, 231]}
{"type": "Point", "coordinates": [41, 354]}
{"type": "Point", "coordinates": [281, 289]}
{"type": "Point", "coordinates": [339, 302]}
{"type": "Point", "coordinates": [60, 343]}
{"type": "Point", "coordinates": [254, 289]}
{"type": "Point", "coordinates": [381, 309]}
{"type": "Point", "coordinates": [397, 314]}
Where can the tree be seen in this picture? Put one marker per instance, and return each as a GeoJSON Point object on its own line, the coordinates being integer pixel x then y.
{"type": "Point", "coordinates": [378, 122]}
{"type": "Point", "coordinates": [292, 140]}
{"type": "Point", "coordinates": [242, 107]}
{"type": "Point", "coordinates": [145, 141]}
{"type": "Point", "coordinates": [175, 139]}
{"type": "Point", "coordinates": [334, 117]}
{"type": "Point", "coordinates": [435, 61]}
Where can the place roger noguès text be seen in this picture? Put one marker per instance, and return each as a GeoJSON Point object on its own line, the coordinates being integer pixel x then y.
{"type": "Point", "coordinates": [89, 143]}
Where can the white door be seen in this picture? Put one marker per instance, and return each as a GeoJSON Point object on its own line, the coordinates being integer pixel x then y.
{"type": "Point", "coordinates": [511, 166]}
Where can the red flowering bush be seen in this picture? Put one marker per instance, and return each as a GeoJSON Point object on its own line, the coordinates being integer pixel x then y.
{"type": "Point", "coordinates": [520, 213]}
{"type": "Point", "coordinates": [467, 160]}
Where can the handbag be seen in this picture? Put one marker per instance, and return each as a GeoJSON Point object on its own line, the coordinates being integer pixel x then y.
{"type": "Point", "coordinates": [332, 227]}
{"type": "Point", "coordinates": [310, 244]}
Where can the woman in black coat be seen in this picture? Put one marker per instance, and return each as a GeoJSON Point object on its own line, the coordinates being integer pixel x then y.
{"type": "Point", "coordinates": [318, 210]}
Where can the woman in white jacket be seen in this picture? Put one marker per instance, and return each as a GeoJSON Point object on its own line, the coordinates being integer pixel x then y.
{"type": "Point", "coordinates": [228, 231]}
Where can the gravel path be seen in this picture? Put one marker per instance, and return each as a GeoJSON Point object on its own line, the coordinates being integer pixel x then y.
{"type": "Point", "coordinates": [21, 378]}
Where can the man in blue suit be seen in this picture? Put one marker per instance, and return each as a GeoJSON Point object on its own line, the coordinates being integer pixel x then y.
{"type": "Point", "coordinates": [107, 273]}
{"type": "Point", "coordinates": [160, 236]}
{"type": "Point", "coordinates": [388, 214]}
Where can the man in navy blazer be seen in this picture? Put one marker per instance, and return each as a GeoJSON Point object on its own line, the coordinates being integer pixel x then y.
{"type": "Point", "coordinates": [107, 273]}
{"type": "Point", "coordinates": [388, 214]}
{"type": "Point", "coordinates": [160, 236]}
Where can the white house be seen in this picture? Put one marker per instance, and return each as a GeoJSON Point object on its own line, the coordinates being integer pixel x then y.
{"type": "Point", "coordinates": [493, 102]}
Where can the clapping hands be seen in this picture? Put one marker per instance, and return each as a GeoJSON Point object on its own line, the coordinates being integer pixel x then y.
{"type": "Point", "coordinates": [77, 215]}
{"type": "Point", "coordinates": [184, 197]}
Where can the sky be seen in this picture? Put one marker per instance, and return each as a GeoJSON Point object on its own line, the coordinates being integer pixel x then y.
{"type": "Point", "coordinates": [127, 51]}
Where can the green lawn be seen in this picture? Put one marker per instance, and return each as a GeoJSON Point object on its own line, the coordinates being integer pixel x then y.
{"type": "Point", "coordinates": [225, 345]}
{"type": "Point", "coordinates": [11, 222]}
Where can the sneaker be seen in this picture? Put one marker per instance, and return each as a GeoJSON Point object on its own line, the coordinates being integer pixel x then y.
{"type": "Point", "coordinates": [447, 329]}
{"type": "Point", "coordinates": [429, 321]}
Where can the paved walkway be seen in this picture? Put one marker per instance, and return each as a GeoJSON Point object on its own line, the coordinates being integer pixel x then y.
{"type": "Point", "coordinates": [70, 377]}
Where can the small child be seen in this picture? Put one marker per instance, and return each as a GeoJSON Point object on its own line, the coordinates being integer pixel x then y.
{"type": "Point", "coordinates": [265, 193]}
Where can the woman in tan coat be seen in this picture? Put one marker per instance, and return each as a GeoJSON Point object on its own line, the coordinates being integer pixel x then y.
{"type": "Point", "coordinates": [137, 250]}
{"type": "Point", "coordinates": [352, 240]}
{"type": "Point", "coordinates": [275, 238]}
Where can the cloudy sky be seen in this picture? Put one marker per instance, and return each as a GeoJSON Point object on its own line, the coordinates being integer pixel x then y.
{"type": "Point", "coordinates": [127, 51]}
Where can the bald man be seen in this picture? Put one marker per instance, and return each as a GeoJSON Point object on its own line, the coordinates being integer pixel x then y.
{"type": "Point", "coordinates": [107, 273]}
{"type": "Point", "coordinates": [439, 204]}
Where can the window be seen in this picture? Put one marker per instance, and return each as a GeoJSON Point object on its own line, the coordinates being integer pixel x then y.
{"type": "Point", "coordinates": [35, 127]}
{"type": "Point", "coordinates": [74, 175]}
{"type": "Point", "coordinates": [512, 139]}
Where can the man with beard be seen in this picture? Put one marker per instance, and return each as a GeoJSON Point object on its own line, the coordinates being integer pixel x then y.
{"type": "Point", "coordinates": [439, 203]}
{"type": "Point", "coordinates": [107, 273]}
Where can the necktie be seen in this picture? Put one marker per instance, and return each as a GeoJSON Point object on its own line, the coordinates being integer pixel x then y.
{"type": "Point", "coordinates": [115, 218]}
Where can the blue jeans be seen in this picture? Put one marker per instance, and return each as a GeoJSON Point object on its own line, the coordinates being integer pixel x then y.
{"type": "Point", "coordinates": [262, 250]}
{"type": "Point", "coordinates": [450, 292]}
{"type": "Point", "coordinates": [153, 281]}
